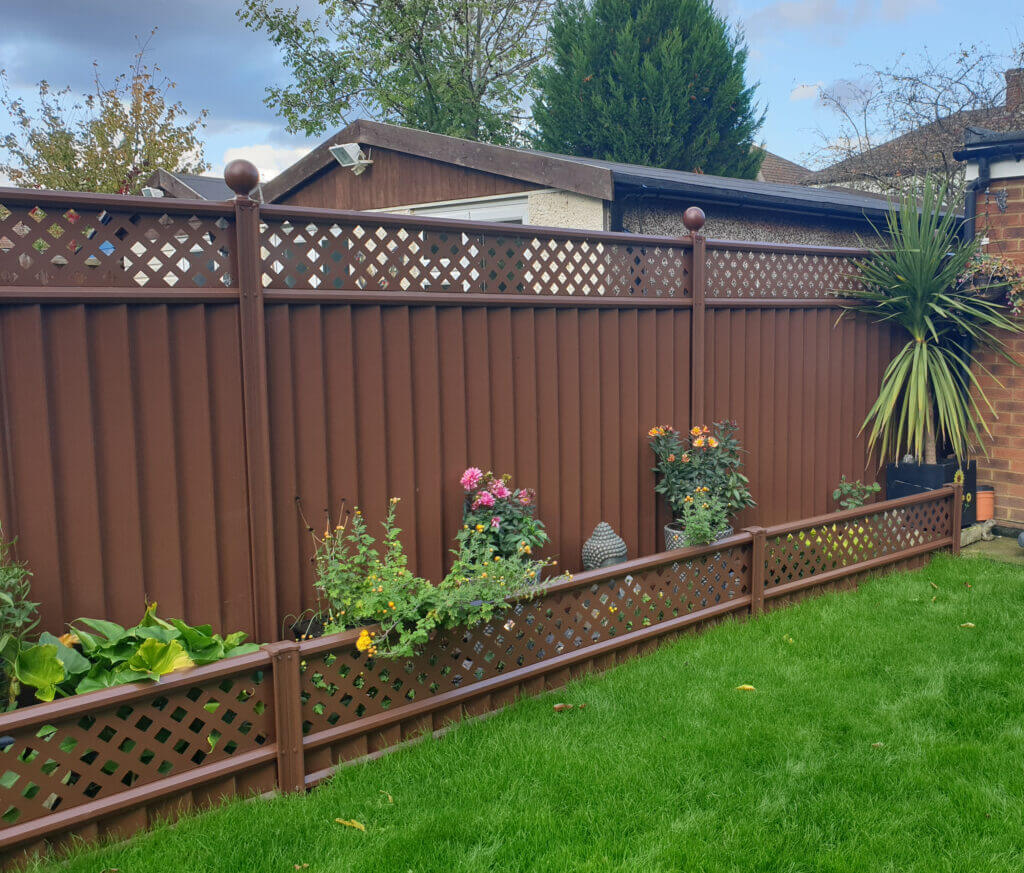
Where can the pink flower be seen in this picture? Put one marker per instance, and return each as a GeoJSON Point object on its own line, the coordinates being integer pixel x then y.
{"type": "Point", "coordinates": [525, 496]}
{"type": "Point", "coordinates": [471, 478]}
{"type": "Point", "coordinates": [495, 522]}
{"type": "Point", "coordinates": [499, 490]}
{"type": "Point", "coordinates": [484, 498]}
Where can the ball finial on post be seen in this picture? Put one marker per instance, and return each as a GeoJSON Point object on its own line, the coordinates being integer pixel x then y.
{"type": "Point", "coordinates": [241, 176]}
{"type": "Point", "coordinates": [693, 219]}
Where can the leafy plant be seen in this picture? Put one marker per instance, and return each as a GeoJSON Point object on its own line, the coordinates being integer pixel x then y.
{"type": "Point", "coordinates": [703, 517]}
{"type": "Point", "coordinates": [851, 495]}
{"type": "Point", "coordinates": [928, 391]}
{"type": "Point", "coordinates": [18, 614]}
{"type": "Point", "coordinates": [406, 609]}
{"type": "Point", "coordinates": [507, 515]}
{"type": "Point", "coordinates": [102, 654]}
{"type": "Point", "coordinates": [704, 457]}
{"type": "Point", "coordinates": [985, 271]}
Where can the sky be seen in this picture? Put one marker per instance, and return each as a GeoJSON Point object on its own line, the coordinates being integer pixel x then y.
{"type": "Point", "coordinates": [795, 47]}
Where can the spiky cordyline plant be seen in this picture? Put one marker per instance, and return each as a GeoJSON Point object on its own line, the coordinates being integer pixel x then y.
{"type": "Point", "coordinates": [926, 391]}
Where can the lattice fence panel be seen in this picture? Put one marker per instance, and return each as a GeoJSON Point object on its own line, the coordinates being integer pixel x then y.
{"type": "Point", "coordinates": [61, 763]}
{"type": "Point", "coordinates": [48, 245]}
{"type": "Point", "coordinates": [819, 549]}
{"type": "Point", "coordinates": [342, 686]}
{"type": "Point", "coordinates": [367, 257]}
{"type": "Point", "coordinates": [749, 273]}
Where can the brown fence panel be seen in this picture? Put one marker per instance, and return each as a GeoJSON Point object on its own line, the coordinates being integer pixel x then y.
{"type": "Point", "coordinates": [369, 402]}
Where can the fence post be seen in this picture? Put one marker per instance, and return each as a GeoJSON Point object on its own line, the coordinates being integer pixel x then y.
{"type": "Point", "coordinates": [242, 177]}
{"type": "Point", "coordinates": [958, 515]}
{"type": "Point", "coordinates": [757, 570]}
{"type": "Point", "coordinates": [291, 769]}
{"type": "Point", "coordinates": [694, 219]}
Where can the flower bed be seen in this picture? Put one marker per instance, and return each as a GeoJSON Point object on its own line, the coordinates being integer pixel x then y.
{"type": "Point", "coordinates": [109, 762]}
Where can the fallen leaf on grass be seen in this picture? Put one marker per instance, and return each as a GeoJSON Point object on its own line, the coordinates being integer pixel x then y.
{"type": "Point", "coordinates": [877, 745]}
{"type": "Point", "coordinates": [561, 707]}
{"type": "Point", "coordinates": [936, 587]}
{"type": "Point", "coordinates": [301, 866]}
{"type": "Point", "coordinates": [786, 638]}
{"type": "Point", "coordinates": [967, 584]}
{"type": "Point", "coordinates": [967, 624]}
{"type": "Point", "coordinates": [745, 688]}
{"type": "Point", "coordinates": [359, 826]}
{"type": "Point", "coordinates": [389, 797]}
{"type": "Point", "coordinates": [935, 598]}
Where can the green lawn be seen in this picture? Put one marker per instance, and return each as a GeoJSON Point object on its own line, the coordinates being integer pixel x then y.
{"type": "Point", "coordinates": [882, 736]}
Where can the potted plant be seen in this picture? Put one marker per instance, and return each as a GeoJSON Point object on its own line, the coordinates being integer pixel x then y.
{"type": "Point", "coordinates": [699, 475]}
{"type": "Point", "coordinates": [929, 398]}
{"type": "Point", "coordinates": [994, 278]}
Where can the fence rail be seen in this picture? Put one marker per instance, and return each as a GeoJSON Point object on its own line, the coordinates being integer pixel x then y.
{"type": "Point", "coordinates": [285, 717]}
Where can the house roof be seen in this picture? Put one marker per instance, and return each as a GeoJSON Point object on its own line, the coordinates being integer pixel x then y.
{"type": "Point", "coordinates": [604, 180]}
{"type": "Point", "coordinates": [775, 168]}
{"type": "Point", "coordinates": [902, 155]}
{"type": "Point", "coordinates": [982, 142]}
{"type": "Point", "coordinates": [190, 186]}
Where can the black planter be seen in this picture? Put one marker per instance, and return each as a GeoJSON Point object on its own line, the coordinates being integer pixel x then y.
{"type": "Point", "coordinates": [307, 628]}
{"type": "Point", "coordinates": [902, 480]}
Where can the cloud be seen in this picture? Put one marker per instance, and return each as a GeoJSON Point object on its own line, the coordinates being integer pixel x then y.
{"type": "Point", "coordinates": [805, 92]}
{"type": "Point", "coordinates": [830, 20]}
{"type": "Point", "coordinates": [269, 159]}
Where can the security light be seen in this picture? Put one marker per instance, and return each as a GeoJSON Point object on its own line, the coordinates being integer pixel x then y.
{"type": "Point", "coordinates": [350, 155]}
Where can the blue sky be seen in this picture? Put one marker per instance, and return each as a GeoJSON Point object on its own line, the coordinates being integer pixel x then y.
{"type": "Point", "coordinates": [219, 65]}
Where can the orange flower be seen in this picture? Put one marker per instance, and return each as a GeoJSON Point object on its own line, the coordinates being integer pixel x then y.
{"type": "Point", "coordinates": [685, 459]}
{"type": "Point", "coordinates": [652, 432]}
{"type": "Point", "coordinates": [671, 458]}
{"type": "Point", "coordinates": [705, 429]}
{"type": "Point", "coordinates": [695, 430]}
{"type": "Point", "coordinates": [699, 442]}
{"type": "Point", "coordinates": [712, 442]}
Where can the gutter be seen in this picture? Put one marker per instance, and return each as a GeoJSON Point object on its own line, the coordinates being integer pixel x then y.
{"type": "Point", "coordinates": [971, 198]}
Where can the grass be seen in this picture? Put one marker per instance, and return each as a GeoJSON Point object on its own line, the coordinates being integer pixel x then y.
{"type": "Point", "coordinates": [882, 736]}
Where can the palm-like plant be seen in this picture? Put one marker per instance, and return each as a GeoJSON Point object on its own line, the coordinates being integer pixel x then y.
{"type": "Point", "coordinates": [926, 392]}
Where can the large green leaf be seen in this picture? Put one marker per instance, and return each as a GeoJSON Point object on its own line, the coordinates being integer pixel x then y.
{"type": "Point", "coordinates": [39, 667]}
{"type": "Point", "coordinates": [101, 677]}
{"type": "Point", "coordinates": [74, 663]}
{"type": "Point", "coordinates": [160, 658]}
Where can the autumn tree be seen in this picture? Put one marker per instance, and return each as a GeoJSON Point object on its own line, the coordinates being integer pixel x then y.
{"type": "Point", "coordinates": [654, 82]}
{"type": "Point", "coordinates": [109, 141]}
{"type": "Point", "coordinates": [457, 67]}
{"type": "Point", "coordinates": [894, 125]}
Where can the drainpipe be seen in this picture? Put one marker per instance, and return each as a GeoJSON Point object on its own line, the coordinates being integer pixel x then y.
{"type": "Point", "coordinates": [971, 200]}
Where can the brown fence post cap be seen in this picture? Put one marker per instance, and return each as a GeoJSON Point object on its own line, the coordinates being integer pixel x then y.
{"type": "Point", "coordinates": [693, 219]}
{"type": "Point", "coordinates": [241, 176]}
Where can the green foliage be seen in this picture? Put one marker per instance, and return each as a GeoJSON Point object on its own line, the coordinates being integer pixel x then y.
{"type": "Point", "coordinates": [103, 654]}
{"type": "Point", "coordinates": [457, 67]}
{"type": "Point", "coordinates": [704, 457]}
{"type": "Point", "coordinates": [408, 609]}
{"type": "Point", "coordinates": [109, 142]}
{"type": "Point", "coordinates": [17, 612]}
{"type": "Point", "coordinates": [929, 391]}
{"type": "Point", "coordinates": [703, 518]}
{"type": "Point", "coordinates": [653, 82]}
{"type": "Point", "coordinates": [507, 516]}
{"type": "Point", "coordinates": [851, 495]}
{"type": "Point", "coordinates": [984, 271]}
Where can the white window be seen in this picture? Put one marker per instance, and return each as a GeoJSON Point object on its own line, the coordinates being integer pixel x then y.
{"type": "Point", "coordinates": [507, 210]}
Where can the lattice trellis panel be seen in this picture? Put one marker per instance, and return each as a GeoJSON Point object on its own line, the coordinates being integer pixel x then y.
{"type": "Point", "coordinates": [63, 763]}
{"type": "Point", "coordinates": [750, 273]}
{"type": "Point", "coordinates": [341, 686]}
{"type": "Point", "coordinates": [820, 549]}
{"type": "Point", "coordinates": [47, 245]}
{"type": "Point", "coordinates": [367, 257]}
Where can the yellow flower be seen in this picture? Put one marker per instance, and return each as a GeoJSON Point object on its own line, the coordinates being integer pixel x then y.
{"type": "Point", "coordinates": [479, 528]}
{"type": "Point", "coordinates": [652, 432]}
{"type": "Point", "coordinates": [688, 498]}
{"type": "Point", "coordinates": [698, 442]}
{"type": "Point", "coordinates": [695, 430]}
{"type": "Point", "coordinates": [712, 442]}
{"type": "Point", "coordinates": [327, 534]}
{"type": "Point", "coordinates": [364, 643]}
{"type": "Point", "coordinates": [391, 603]}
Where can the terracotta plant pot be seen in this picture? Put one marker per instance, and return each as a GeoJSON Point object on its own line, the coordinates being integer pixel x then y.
{"type": "Point", "coordinates": [986, 503]}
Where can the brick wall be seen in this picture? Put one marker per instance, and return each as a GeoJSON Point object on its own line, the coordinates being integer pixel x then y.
{"type": "Point", "coordinates": [1004, 468]}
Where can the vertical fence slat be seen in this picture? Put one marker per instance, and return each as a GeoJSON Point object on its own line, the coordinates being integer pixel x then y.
{"type": "Point", "coordinates": [957, 514]}
{"type": "Point", "coordinates": [257, 416]}
{"type": "Point", "coordinates": [756, 570]}
{"type": "Point", "coordinates": [697, 329]}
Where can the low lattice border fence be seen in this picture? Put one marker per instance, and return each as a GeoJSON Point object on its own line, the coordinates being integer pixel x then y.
{"type": "Point", "coordinates": [112, 762]}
